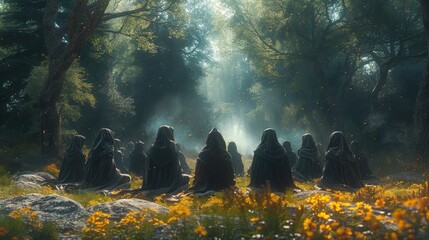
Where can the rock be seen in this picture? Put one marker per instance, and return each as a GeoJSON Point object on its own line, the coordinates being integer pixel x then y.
{"type": "Point", "coordinates": [30, 180]}
{"type": "Point", "coordinates": [306, 194]}
{"type": "Point", "coordinates": [118, 209]}
{"type": "Point", "coordinates": [406, 177]}
{"type": "Point", "coordinates": [27, 185]}
{"type": "Point", "coordinates": [33, 178]}
{"type": "Point", "coordinates": [67, 214]}
{"type": "Point", "coordinates": [45, 175]}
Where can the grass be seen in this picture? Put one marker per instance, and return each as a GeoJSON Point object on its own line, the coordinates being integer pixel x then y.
{"type": "Point", "coordinates": [365, 214]}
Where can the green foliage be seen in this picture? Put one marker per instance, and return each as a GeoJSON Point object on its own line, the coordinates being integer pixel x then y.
{"type": "Point", "coordinates": [48, 231]}
{"type": "Point", "coordinates": [11, 227]}
{"type": "Point", "coordinates": [4, 176]}
{"type": "Point", "coordinates": [77, 92]}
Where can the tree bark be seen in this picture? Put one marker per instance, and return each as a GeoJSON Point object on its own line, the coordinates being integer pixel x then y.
{"type": "Point", "coordinates": [49, 100]}
{"type": "Point", "coordinates": [63, 45]}
{"type": "Point", "coordinates": [421, 112]}
{"type": "Point", "coordinates": [382, 79]}
{"type": "Point", "coordinates": [316, 128]}
{"type": "Point", "coordinates": [329, 108]}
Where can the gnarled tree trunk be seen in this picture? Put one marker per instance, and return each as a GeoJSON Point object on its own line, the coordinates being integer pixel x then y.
{"type": "Point", "coordinates": [421, 113]}
{"type": "Point", "coordinates": [63, 44]}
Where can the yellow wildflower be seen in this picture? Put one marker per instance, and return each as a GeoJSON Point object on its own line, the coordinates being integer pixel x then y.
{"type": "Point", "coordinates": [172, 219]}
{"type": "Point", "coordinates": [200, 230]}
{"type": "Point", "coordinates": [180, 210]}
{"type": "Point", "coordinates": [307, 224]}
{"type": "Point", "coordinates": [325, 227]}
{"type": "Point", "coordinates": [380, 203]}
{"type": "Point", "coordinates": [254, 219]}
{"type": "Point", "coordinates": [359, 235]}
{"type": "Point", "coordinates": [323, 215]}
{"type": "Point", "coordinates": [335, 224]}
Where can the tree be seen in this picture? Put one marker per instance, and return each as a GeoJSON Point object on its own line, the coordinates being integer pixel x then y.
{"type": "Point", "coordinates": [64, 42]}
{"type": "Point", "coordinates": [21, 48]}
{"type": "Point", "coordinates": [303, 45]}
{"type": "Point", "coordinates": [390, 33]}
{"type": "Point", "coordinates": [421, 115]}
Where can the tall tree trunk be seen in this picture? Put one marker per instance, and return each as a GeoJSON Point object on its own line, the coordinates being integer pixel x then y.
{"type": "Point", "coordinates": [63, 45]}
{"type": "Point", "coordinates": [382, 79]}
{"type": "Point", "coordinates": [350, 69]}
{"type": "Point", "coordinates": [328, 108]}
{"type": "Point", "coordinates": [319, 134]}
{"type": "Point", "coordinates": [421, 113]}
{"type": "Point", "coordinates": [49, 100]}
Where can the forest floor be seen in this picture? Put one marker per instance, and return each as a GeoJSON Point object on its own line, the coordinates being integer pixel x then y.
{"type": "Point", "coordinates": [392, 210]}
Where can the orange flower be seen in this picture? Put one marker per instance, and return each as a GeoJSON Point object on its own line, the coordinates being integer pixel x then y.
{"type": "Point", "coordinates": [380, 203]}
{"type": "Point", "coordinates": [3, 231]}
{"type": "Point", "coordinates": [200, 230]}
{"type": "Point", "coordinates": [254, 219]}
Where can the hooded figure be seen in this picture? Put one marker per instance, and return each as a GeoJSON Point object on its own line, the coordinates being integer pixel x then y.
{"type": "Point", "coordinates": [341, 169]}
{"type": "Point", "coordinates": [164, 172]}
{"type": "Point", "coordinates": [270, 164]}
{"type": "Point", "coordinates": [73, 167]}
{"type": "Point", "coordinates": [138, 160]}
{"type": "Point", "coordinates": [362, 161]}
{"type": "Point", "coordinates": [214, 170]}
{"type": "Point", "coordinates": [119, 156]}
{"type": "Point", "coordinates": [291, 156]}
{"type": "Point", "coordinates": [237, 163]}
{"type": "Point", "coordinates": [308, 165]}
{"type": "Point", "coordinates": [101, 171]}
{"type": "Point", "coordinates": [182, 159]}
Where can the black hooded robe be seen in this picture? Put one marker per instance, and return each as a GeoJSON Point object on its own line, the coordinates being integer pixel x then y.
{"type": "Point", "coordinates": [138, 160]}
{"type": "Point", "coordinates": [164, 172]}
{"type": "Point", "coordinates": [362, 160]}
{"type": "Point", "coordinates": [270, 165]}
{"type": "Point", "coordinates": [307, 167]}
{"type": "Point", "coordinates": [73, 167]}
{"type": "Point", "coordinates": [214, 170]}
{"type": "Point", "coordinates": [291, 156]}
{"type": "Point", "coordinates": [237, 163]}
{"type": "Point", "coordinates": [101, 171]}
{"type": "Point", "coordinates": [341, 169]}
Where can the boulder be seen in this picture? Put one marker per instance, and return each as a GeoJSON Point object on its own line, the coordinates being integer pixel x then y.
{"type": "Point", "coordinates": [118, 209]}
{"type": "Point", "coordinates": [67, 214]}
{"type": "Point", "coordinates": [33, 178]}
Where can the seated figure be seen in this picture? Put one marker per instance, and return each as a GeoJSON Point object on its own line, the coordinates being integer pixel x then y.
{"type": "Point", "coordinates": [101, 171]}
{"type": "Point", "coordinates": [237, 163]}
{"type": "Point", "coordinates": [214, 170]}
{"type": "Point", "coordinates": [362, 161]}
{"type": "Point", "coordinates": [138, 160]}
{"type": "Point", "coordinates": [182, 159]}
{"type": "Point", "coordinates": [341, 171]}
{"type": "Point", "coordinates": [119, 156]}
{"type": "Point", "coordinates": [270, 165]}
{"type": "Point", "coordinates": [72, 169]}
{"type": "Point", "coordinates": [307, 167]}
{"type": "Point", "coordinates": [164, 174]}
{"type": "Point", "coordinates": [291, 156]}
